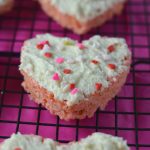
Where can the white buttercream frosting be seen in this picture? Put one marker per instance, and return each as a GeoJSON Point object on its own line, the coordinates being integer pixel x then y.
{"type": "Point", "coordinates": [97, 141]}
{"type": "Point", "coordinates": [28, 142]}
{"type": "Point", "coordinates": [84, 73]}
{"type": "Point", "coordinates": [84, 10]}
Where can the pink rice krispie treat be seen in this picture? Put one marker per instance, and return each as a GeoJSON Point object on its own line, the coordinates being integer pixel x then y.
{"type": "Point", "coordinates": [96, 141]}
{"type": "Point", "coordinates": [6, 5]}
{"type": "Point", "coordinates": [81, 16]}
{"type": "Point", "coordinates": [72, 79]}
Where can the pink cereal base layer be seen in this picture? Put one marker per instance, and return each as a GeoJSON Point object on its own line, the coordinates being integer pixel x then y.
{"type": "Point", "coordinates": [72, 23]}
{"type": "Point", "coordinates": [6, 7]}
{"type": "Point", "coordinates": [81, 110]}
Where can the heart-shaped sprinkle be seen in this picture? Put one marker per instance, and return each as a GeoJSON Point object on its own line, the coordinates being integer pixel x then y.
{"type": "Point", "coordinates": [59, 60]}
{"type": "Point", "coordinates": [81, 46]}
{"type": "Point", "coordinates": [56, 77]}
{"type": "Point", "coordinates": [112, 66]}
{"type": "Point", "coordinates": [111, 48]}
{"type": "Point", "coordinates": [41, 44]}
{"type": "Point", "coordinates": [17, 148]}
{"type": "Point", "coordinates": [94, 61]}
{"type": "Point", "coordinates": [98, 86]}
{"type": "Point", "coordinates": [45, 42]}
{"type": "Point", "coordinates": [72, 86]}
{"type": "Point", "coordinates": [67, 71]}
{"type": "Point", "coordinates": [74, 91]}
{"type": "Point", "coordinates": [48, 54]}
{"type": "Point", "coordinates": [68, 43]}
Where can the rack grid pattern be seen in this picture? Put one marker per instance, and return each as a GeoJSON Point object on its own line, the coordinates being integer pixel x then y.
{"type": "Point", "coordinates": [127, 115]}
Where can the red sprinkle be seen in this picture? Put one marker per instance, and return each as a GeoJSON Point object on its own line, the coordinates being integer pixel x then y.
{"type": "Point", "coordinates": [72, 86]}
{"type": "Point", "coordinates": [111, 48]}
{"type": "Point", "coordinates": [41, 44]}
{"type": "Point", "coordinates": [98, 86]}
{"type": "Point", "coordinates": [94, 61]}
{"type": "Point", "coordinates": [46, 42]}
{"type": "Point", "coordinates": [48, 55]}
{"type": "Point", "coordinates": [112, 66]}
{"type": "Point", "coordinates": [17, 148]}
{"type": "Point", "coordinates": [67, 71]}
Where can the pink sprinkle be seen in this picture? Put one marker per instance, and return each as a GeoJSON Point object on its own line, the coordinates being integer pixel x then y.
{"type": "Point", "coordinates": [80, 45]}
{"type": "Point", "coordinates": [74, 91]}
{"type": "Point", "coordinates": [56, 77]}
{"type": "Point", "coordinates": [59, 60]}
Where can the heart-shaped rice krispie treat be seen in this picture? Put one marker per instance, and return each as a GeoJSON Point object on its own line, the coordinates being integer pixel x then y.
{"type": "Point", "coordinates": [72, 79]}
{"type": "Point", "coordinates": [81, 16]}
{"type": "Point", "coordinates": [96, 141]}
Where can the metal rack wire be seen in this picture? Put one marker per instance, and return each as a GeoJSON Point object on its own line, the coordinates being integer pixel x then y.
{"type": "Point", "coordinates": [128, 115]}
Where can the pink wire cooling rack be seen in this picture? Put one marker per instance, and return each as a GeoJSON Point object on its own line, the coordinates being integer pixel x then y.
{"type": "Point", "coordinates": [128, 115]}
